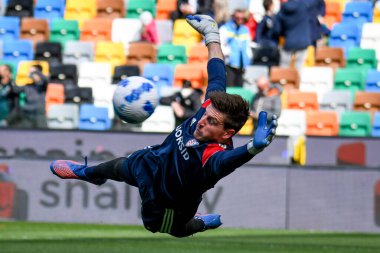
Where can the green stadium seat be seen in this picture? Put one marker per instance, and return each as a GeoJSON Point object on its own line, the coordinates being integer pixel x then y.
{"type": "Point", "coordinates": [349, 79]}
{"type": "Point", "coordinates": [355, 124]}
{"type": "Point", "coordinates": [64, 30]}
{"type": "Point", "coordinates": [361, 58]}
{"type": "Point", "coordinates": [136, 7]}
{"type": "Point", "coordinates": [245, 93]}
{"type": "Point", "coordinates": [173, 54]}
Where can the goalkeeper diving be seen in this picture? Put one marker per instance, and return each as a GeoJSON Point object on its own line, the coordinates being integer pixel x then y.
{"type": "Point", "coordinates": [173, 176]}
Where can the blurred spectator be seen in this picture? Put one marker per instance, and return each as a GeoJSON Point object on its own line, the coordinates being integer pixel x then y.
{"type": "Point", "coordinates": [293, 23]}
{"type": "Point", "coordinates": [31, 113]}
{"type": "Point", "coordinates": [317, 12]}
{"type": "Point", "coordinates": [7, 81]}
{"type": "Point", "coordinates": [5, 93]}
{"type": "Point", "coordinates": [264, 32]}
{"type": "Point", "coordinates": [185, 103]}
{"type": "Point", "coordinates": [149, 30]}
{"type": "Point", "coordinates": [187, 7]}
{"type": "Point", "coordinates": [252, 25]}
{"type": "Point", "coordinates": [221, 11]}
{"type": "Point", "coordinates": [267, 98]}
{"type": "Point", "coordinates": [235, 43]}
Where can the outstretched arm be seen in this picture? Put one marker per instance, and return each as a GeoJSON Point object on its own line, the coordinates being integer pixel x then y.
{"type": "Point", "coordinates": [223, 163]}
{"type": "Point", "coordinates": [208, 28]}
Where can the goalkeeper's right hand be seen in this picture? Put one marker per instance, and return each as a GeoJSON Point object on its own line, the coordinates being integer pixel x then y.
{"type": "Point", "coordinates": [263, 135]}
{"type": "Point", "coordinates": [206, 26]}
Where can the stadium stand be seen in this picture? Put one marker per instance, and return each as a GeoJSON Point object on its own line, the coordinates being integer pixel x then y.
{"type": "Point", "coordinates": [140, 53]}
{"type": "Point", "coordinates": [357, 12]}
{"type": "Point", "coordinates": [49, 9]}
{"type": "Point", "coordinates": [23, 78]}
{"type": "Point", "coordinates": [66, 74]}
{"type": "Point", "coordinates": [159, 73]}
{"type": "Point", "coordinates": [302, 100]}
{"type": "Point", "coordinates": [55, 94]}
{"type": "Point", "coordinates": [79, 95]}
{"type": "Point", "coordinates": [286, 77]}
{"type": "Point", "coordinates": [136, 7]}
{"type": "Point", "coordinates": [359, 58]}
{"type": "Point", "coordinates": [367, 101]}
{"type": "Point", "coordinates": [184, 34]}
{"type": "Point", "coordinates": [20, 8]}
{"type": "Point", "coordinates": [322, 123]}
{"type": "Point", "coordinates": [50, 52]}
{"type": "Point", "coordinates": [337, 100]}
{"type": "Point", "coordinates": [9, 28]}
{"type": "Point", "coordinates": [344, 35]}
{"type": "Point", "coordinates": [190, 72]}
{"type": "Point", "coordinates": [80, 10]}
{"type": "Point", "coordinates": [246, 94]}
{"type": "Point", "coordinates": [251, 74]}
{"type": "Point", "coordinates": [126, 30]}
{"type": "Point", "coordinates": [96, 30]}
{"type": "Point", "coordinates": [173, 54]}
{"type": "Point", "coordinates": [77, 52]}
{"type": "Point", "coordinates": [93, 74]}
{"type": "Point", "coordinates": [373, 81]}
{"type": "Point", "coordinates": [110, 52]}
{"type": "Point", "coordinates": [330, 56]}
{"type": "Point", "coordinates": [122, 72]}
{"type": "Point", "coordinates": [63, 116]}
{"type": "Point", "coordinates": [333, 13]}
{"type": "Point", "coordinates": [64, 30]}
{"type": "Point", "coordinates": [35, 29]}
{"type": "Point", "coordinates": [291, 123]}
{"type": "Point", "coordinates": [376, 125]}
{"type": "Point", "coordinates": [164, 8]}
{"type": "Point", "coordinates": [267, 56]}
{"type": "Point", "coordinates": [355, 124]}
{"type": "Point", "coordinates": [17, 50]}
{"type": "Point", "coordinates": [164, 31]}
{"type": "Point", "coordinates": [198, 53]}
{"type": "Point", "coordinates": [110, 9]}
{"type": "Point", "coordinates": [317, 79]}
{"type": "Point", "coordinates": [349, 79]}
{"type": "Point", "coordinates": [92, 117]}
{"type": "Point", "coordinates": [162, 120]}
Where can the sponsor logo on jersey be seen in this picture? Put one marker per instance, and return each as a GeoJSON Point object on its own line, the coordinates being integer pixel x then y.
{"type": "Point", "coordinates": [192, 142]}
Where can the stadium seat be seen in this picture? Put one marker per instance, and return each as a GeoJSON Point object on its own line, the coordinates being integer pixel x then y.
{"type": "Point", "coordinates": [64, 30]}
{"type": "Point", "coordinates": [136, 7]}
{"type": "Point", "coordinates": [96, 30]}
{"type": "Point", "coordinates": [80, 10]}
{"type": "Point", "coordinates": [1, 49]}
{"type": "Point", "coordinates": [344, 35]}
{"type": "Point", "coordinates": [111, 52]}
{"type": "Point", "coordinates": [173, 54]}
{"type": "Point", "coordinates": [63, 116]}
{"type": "Point", "coordinates": [367, 101]}
{"type": "Point", "coordinates": [286, 77]}
{"type": "Point", "coordinates": [251, 74]}
{"type": "Point", "coordinates": [246, 94]}
{"type": "Point", "coordinates": [34, 29]}
{"type": "Point", "coordinates": [49, 9]}
{"type": "Point", "coordinates": [322, 123]}
{"type": "Point", "coordinates": [373, 81]}
{"type": "Point", "coordinates": [17, 50]}
{"type": "Point", "coordinates": [198, 53]}
{"type": "Point", "coordinates": [9, 28]}
{"type": "Point", "coordinates": [302, 100]}
{"type": "Point", "coordinates": [20, 8]}
{"type": "Point", "coordinates": [103, 98]}
{"type": "Point", "coordinates": [184, 34]}
{"type": "Point", "coordinates": [371, 39]}
{"type": "Point", "coordinates": [291, 123]}
{"type": "Point", "coordinates": [110, 9]}
{"type": "Point", "coordinates": [162, 120]}
{"type": "Point", "coordinates": [164, 31]}
{"type": "Point", "coordinates": [349, 79]}
{"type": "Point", "coordinates": [50, 52]}
{"type": "Point", "coordinates": [93, 74]}
{"type": "Point", "coordinates": [161, 74]}
{"type": "Point", "coordinates": [164, 8]}
{"type": "Point", "coordinates": [330, 56]}
{"type": "Point", "coordinates": [376, 125]}
{"type": "Point", "coordinates": [337, 100]}
{"type": "Point", "coordinates": [355, 124]}
{"type": "Point", "coordinates": [266, 56]}
{"type": "Point", "coordinates": [126, 30]}
{"type": "Point", "coordinates": [317, 79]}
{"type": "Point", "coordinates": [79, 95]}
{"type": "Point", "coordinates": [122, 72]}
{"type": "Point", "coordinates": [93, 118]}
{"type": "Point", "coordinates": [189, 72]}
{"type": "Point", "coordinates": [23, 78]}
{"type": "Point", "coordinates": [333, 14]}
{"type": "Point", "coordinates": [3, 6]}
{"type": "Point", "coordinates": [361, 58]}
{"type": "Point", "coordinates": [376, 14]}
{"type": "Point", "coordinates": [140, 53]}
{"type": "Point", "coordinates": [66, 74]}
{"type": "Point", "coordinates": [357, 12]}
{"type": "Point", "coordinates": [55, 94]}
{"type": "Point", "coordinates": [76, 52]}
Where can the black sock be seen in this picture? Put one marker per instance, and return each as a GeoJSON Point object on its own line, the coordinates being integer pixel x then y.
{"type": "Point", "coordinates": [107, 170]}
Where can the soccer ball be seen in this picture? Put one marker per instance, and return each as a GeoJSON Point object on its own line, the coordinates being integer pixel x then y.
{"type": "Point", "coordinates": [135, 99]}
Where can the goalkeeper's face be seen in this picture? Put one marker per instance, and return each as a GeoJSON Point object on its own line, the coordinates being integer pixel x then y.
{"type": "Point", "coordinates": [211, 127]}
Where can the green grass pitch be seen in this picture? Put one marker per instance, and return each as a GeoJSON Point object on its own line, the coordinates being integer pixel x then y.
{"type": "Point", "coordinates": [29, 237]}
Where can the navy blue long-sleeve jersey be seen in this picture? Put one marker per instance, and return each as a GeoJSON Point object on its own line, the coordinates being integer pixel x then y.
{"type": "Point", "coordinates": [177, 172]}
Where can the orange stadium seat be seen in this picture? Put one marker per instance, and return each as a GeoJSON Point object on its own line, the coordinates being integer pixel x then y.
{"type": "Point", "coordinates": [322, 123]}
{"type": "Point", "coordinates": [96, 29]}
{"type": "Point", "coordinates": [367, 101]}
{"type": "Point", "coordinates": [198, 54]}
{"type": "Point", "coordinates": [140, 53]}
{"type": "Point", "coordinates": [303, 100]}
{"type": "Point", "coordinates": [110, 9]}
{"type": "Point", "coordinates": [34, 29]}
{"type": "Point", "coordinates": [376, 14]}
{"type": "Point", "coordinates": [55, 94]}
{"type": "Point", "coordinates": [286, 77]}
{"type": "Point", "coordinates": [330, 56]}
{"type": "Point", "coordinates": [164, 8]}
{"type": "Point", "coordinates": [333, 14]}
{"type": "Point", "coordinates": [192, 72]}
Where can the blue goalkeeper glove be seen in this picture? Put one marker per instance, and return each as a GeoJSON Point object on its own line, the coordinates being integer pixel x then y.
{"type": "Point", "coordinates": [263, 135]}
{"type": "Point", "coordinates": [206, 26]}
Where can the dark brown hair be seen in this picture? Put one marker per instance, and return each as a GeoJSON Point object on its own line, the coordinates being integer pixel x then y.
{"type": "Point", "coordinates": [233, 107]}
{"type": "Point", "coordinates": [267, 4]}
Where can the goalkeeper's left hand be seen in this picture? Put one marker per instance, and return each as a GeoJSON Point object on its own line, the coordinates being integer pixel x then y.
{"type": "Point", "coordinates": [263, 135]}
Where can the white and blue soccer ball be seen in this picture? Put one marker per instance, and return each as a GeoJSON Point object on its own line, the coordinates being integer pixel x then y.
{"type": "Point", "coordinates": [135, 99]}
